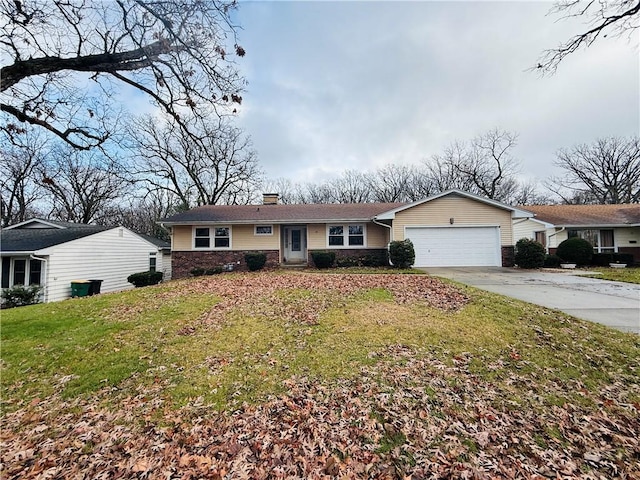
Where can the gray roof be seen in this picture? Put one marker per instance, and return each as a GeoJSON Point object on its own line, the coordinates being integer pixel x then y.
{"type": "Point", "coordinates": [281, 213]}
{"type": "Point", "coordinates": [33, 239]}
{"type": "Point", "coordinates": [161, 244]}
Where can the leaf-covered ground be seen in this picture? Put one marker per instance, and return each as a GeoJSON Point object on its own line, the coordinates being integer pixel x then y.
{"type": "Point", "coordinates": [543, 396]}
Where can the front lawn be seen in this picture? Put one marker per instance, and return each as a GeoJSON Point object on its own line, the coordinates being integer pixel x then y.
{"type": "Point", "coordinates": [628, 275]}
{"type": "Point", "coordinates": [306, 375]}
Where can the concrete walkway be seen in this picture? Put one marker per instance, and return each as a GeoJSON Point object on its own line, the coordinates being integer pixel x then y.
{"type": "Point", "coordinates": [614, 304]}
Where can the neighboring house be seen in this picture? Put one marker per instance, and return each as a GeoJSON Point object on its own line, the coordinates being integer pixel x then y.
{"type": "Point", "coordinates": [53, 254]}
{"type": "Point", "coordinates": [609, 228]}
{"type": "Point", "coordinates": [453, 228]}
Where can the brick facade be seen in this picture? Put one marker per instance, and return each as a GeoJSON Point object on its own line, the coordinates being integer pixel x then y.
{"type": "Point", "coordinates": [508, 256]}
{"type": "Point", "coordinates": [183, 262]}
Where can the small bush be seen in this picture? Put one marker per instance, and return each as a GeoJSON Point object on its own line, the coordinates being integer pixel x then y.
{"type": "Point", "coordinates": [197, 272]}
{"type": "Point", "coordinates": [142, 279]}
{"type": "Point", "coordinates": [575, 250]}
{"type": "Point", "coordinates": [529, 253]}
{"type": "Point", "coordinates": [212, 271]}
{"type": "Point", "coordinates": [402, 253]}
{"type": "Point", "coordinates": [323, 259]}
{"type": "Point", "coordinates": [255, 260]}
{"type": "Point", "coordinates": [376, 259]}
{"type": "Point", "coordinates": [19, 296]}
{"type": "Point", "coordinates": [552, 261]}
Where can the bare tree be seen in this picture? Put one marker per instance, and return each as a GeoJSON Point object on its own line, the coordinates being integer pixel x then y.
{"type": "Point", "coordinates": [67, 55]}
{"type": "Point", "coordinates": [484, 166]}
{"type": "Point", "coordinates": [80, 185]}
{"type": "Point", "coordinates": [396, 183]}
{"type": "Point", "coordinates": [350, 187]}
{"type": "Point", "coordinates": [603, 18]}
{"type": "Point", "coordinates": [143, 214]}
{"type": "Point", "coordinates": [221, 167]}
{"type": "Point", "coordinates": [606, 171]}
{"type": "Point", "coordinates": [19, 189]}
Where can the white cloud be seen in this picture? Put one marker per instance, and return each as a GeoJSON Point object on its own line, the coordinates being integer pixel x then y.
{"type": "Point", "coordinates": [355, 85]}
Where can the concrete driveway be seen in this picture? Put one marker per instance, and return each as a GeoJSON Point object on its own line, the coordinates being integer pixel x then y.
{"type": "Point", "coordinates": [614, 304]}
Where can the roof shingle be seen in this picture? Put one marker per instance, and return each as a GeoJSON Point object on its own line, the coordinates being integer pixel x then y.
{"type": "Point", "coordinates": [281, 213]}
{"type": "Point", "coordinates": [587, 215]}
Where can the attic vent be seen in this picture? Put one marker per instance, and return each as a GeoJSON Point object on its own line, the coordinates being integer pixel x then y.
{"type": "Point", "coordinates": [270, 198]}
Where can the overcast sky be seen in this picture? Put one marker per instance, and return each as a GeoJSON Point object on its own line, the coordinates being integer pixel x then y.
{"type": "Point", "coordinates": [358, 85]}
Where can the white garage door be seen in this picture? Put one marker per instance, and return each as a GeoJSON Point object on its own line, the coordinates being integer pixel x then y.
{"type": "Point", "coordinates": [455, 246]}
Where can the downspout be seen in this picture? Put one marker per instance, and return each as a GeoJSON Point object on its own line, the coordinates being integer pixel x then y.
{"type": "Point", "coordinates": [43, 274]}
{"type": "Point", "coordinates": [390, 227]}
{"type": "Point", "coordinates": [554, 234]}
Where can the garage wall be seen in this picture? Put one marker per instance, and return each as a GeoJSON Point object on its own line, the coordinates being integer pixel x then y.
{"type": "Point", "coordinates": [464, 211]}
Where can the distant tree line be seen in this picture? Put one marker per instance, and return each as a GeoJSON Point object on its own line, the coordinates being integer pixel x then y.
{"type": "Point", "coordinates": [158, 171]}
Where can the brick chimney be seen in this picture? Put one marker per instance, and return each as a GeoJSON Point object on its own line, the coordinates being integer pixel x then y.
{"type": "Point", "coordinates": [270, 198]}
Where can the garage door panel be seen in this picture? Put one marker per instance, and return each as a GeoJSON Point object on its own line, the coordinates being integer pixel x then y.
{"type": "Point", "coordinates": [455, 246]}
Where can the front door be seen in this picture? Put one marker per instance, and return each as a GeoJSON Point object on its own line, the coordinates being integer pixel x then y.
{"type": "Point", "coordinates": [295, 248]}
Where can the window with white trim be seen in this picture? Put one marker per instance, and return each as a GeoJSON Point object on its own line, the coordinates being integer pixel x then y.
{"type": "Point", "coordinates": [202, 237]}
{"type": "Point", "coordinates": [211, 237]}
{"type": "Point", "coordinates": [263, 230]}
{"type": "Point", "coordinates": [153, 262]}
{"type": "Point", "coordinates": [601, 240]}
{"type": "Point", "coordinates": [346, 235]}
{"type": "Point", "coordinates": [21, 271]}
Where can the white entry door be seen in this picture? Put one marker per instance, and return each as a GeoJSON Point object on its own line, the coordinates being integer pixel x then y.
{"type": "Point", "coordinates": [295, 248]}
{"type": "Point", "coordinates": [455, 246]}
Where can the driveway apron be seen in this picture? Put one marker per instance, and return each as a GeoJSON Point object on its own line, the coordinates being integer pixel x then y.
{"type": "Point", "coordinates": [614, 304]}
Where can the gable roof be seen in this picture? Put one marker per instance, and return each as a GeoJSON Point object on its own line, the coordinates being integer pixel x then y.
{"type": "Point", "coordinates": [624, 215]}
{"type": "Point", "coordinates": [281, 213]}
{"type": "Point", "coordinates": [41, 223]}
{"type": "Point", "coordinates": [515, 212]}
{"type": "Point", "coordinates": [33, 239]}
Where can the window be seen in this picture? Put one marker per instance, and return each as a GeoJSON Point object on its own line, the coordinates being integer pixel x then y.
{"type": "Point", "coordinates": [602, 240]}
{"type": "Point", "coordinates": [19, 271]}
{"type": "Point", "coordinates": [212, 237]}
{"type": "Point", "coordinates": [222, 239]}
{"type": "Point", "coordinates": [346, 235]}
{"type": "Point", "coordinates": [202, 239]}
{"type": "Point", "coordinates": [356, 235]}
{"type": "Point", "coordinates": [152, 262]}
{"type": "Point", "coordinates": [336, 237]}
{"type": "Point", "coordinates": [541, 238]}
{"type": "Point", "coordinates": [35, 272]}
{"type": "Point", "coordinates": [264, 230]}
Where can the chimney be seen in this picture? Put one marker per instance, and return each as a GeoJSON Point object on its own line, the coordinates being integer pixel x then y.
{"type": "Point", "coordinates": [270, 198]}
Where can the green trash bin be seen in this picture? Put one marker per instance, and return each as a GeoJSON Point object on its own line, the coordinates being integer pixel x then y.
{"type": "Point", "coordinates": [80, 288]}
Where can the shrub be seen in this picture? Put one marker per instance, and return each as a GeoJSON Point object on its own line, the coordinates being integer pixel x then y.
{"type": "Point", "coordinates": [212, 271]}
{"type": "Point", "coordinates": [197, 272]}
{"type": "Point", "coordinates": [552, 261]}
{"type": "Point", "coordinates": [529, 253]}
{"type": "Point", "coordinates": [20, 295]}
{"type": "Point", "coordinates": [142, 279]}
{"type": "Point", "coordinates": [255, 260]}
{"type": "Point", "coordinates": [575, 250]}
{"type": "Point", "coordinates": [323, 259]}
{"type": "Point", "coordinates": [377, 259]}
{"type": "Point", "coordinates": [401, 253]}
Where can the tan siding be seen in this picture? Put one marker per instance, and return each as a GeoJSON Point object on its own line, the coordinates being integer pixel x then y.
{"type": "Point", "coordinates": [623, 236]}
{"type": "Point", "coordinates": [464, 211]}
{"type": "Point", "coordinates": [106, 256]}
{"type": "Point", "coordinates": [525, 229]}
{"type": "Point", "coordinates": [316, 236]}
{"type": "Point", "coordinates": [243, 238]}
{"type": "Point", "coordinates": [377, 236]}
{"type": "Point", "coordinates": [182, 238]}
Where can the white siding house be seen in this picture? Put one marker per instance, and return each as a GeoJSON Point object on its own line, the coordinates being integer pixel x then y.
{"type": "Point", "coordinates": [56, 255]}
